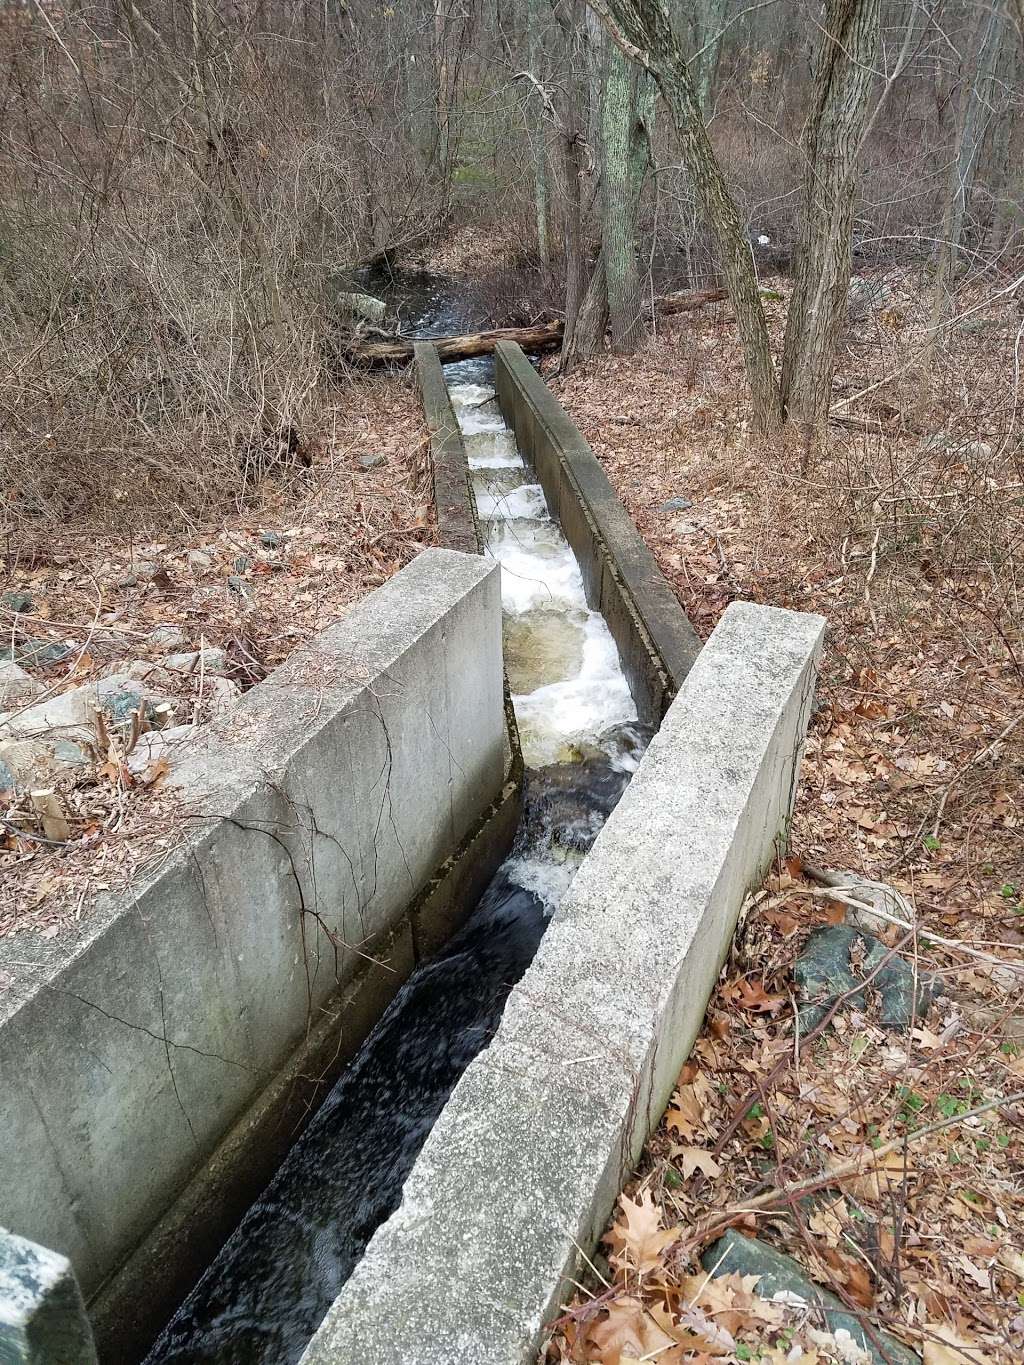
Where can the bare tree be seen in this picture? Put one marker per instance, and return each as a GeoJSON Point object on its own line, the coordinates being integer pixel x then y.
{"type": "Point", "coordinates": [971, 124]}
{"type": "Point", "coordinates": [643, 31]}
{"type": "Point", "coordinates": [832, 140]}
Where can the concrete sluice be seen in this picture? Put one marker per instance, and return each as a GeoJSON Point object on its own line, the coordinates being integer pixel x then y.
{"type": "Point", "coordinates": [271, 1285]}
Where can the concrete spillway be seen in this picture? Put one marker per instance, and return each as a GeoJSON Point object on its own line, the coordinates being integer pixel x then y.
{"type": "Point", "coordinates": [271, 1285]}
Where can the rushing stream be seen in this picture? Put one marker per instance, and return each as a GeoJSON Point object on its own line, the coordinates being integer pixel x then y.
{"type": "Point", "coordinates": [271, 1285]}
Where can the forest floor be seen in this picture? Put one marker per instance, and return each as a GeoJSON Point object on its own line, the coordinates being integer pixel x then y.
{"type": "Point", "coordinates": [908, 543]}
{"type": "Point", "coordinates": [238, 592]}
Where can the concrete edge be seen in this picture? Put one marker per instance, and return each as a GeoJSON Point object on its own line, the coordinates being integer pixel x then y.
{"type": "Point", "coordinates": [656, 641]}
{"type": "Point", "coordinates": [517, 1178]}
{"type": "Point", "coordinates": [456, 511]}
{"type": "Point", "coordinates": [172, 1257]}
{"type": "Point", "coordinates": [458, 527]}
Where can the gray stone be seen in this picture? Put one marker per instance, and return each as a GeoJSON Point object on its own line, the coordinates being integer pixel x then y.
{"type": "Point", "coordinates": [167, 637]}
{"type": "Point", "coordinates": [824, 970]}
{"type": "Point", "coordinates": [734, 1254]}
{"type": "Point", "coordinates": [518, 1175]}
{"type": "Point", "coordinates": [199, 559]}
{"type": "Point", "coordinates": [676, 505]}
{"type": "Point", "coordinates": [154, 744]}
{"type": "Point", "coordinates": [360, 307]}
{"type": "Point", "coordinates": [370, 461]}
{"type": "Point", "coordinates": [270, 540]}
{"type": "Point", "coordinates": [29, 764]}
{"type": "Point", "coordinates": [212, 660]}
{"type": "Point", "coordinates": [242, 564]}
{"type": "Point", "coordinates": [18, 600]}
{"type": "Point", "coordinates": [36, 653]}
{"type": "Point", "coordinates": [236, 583]}
{"type": "Point", "coordinates": [42, 1315]}
{"type": "Point", "coordinates": [71, 714]}
{"type": "Point", "coordinates": [17, 688]}
{"type": "Point", "coordinates": [68, 715]}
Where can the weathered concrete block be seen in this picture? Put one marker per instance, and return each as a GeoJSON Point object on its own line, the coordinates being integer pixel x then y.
{"type": "Point", "coordinates": [42, 1316]}
{"type": "Point", "coordinates": [519, 1174]}
{"type": "Point", "coordinates": [316, 808]}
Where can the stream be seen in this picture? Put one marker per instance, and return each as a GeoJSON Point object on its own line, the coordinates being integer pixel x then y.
{"type": "Point", "coordinates": [274, 1280]}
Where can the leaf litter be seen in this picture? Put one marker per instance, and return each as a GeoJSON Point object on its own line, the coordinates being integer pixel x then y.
{"type": "Point", "coordinates": [887, 1164]}
{"type": "Point", "coordinates": [252, 584]}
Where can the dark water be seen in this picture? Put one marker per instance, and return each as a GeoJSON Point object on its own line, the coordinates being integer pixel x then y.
{"type": "Point", "coordinates": [271, 1285]}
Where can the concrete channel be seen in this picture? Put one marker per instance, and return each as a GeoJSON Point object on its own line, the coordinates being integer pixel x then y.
{"type": "Point", "coordinates": [517, 1177]}
{"type": "Point", "coordinates": [157, 1065]}
{"type": "Point", "coordinates": [159, 1059]}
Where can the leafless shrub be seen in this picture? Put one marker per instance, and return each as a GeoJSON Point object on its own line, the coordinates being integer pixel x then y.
{"type": "Point", "coordinates": [181, 181]}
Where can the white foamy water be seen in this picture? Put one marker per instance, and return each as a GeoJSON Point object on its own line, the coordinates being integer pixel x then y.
{"type": "Point", "coordinates": [585, 693]}
{"type": "Point", "coordinates": [523, 502]}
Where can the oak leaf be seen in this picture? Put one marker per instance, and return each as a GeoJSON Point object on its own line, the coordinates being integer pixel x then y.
{"type": "Point", "coordinates": [639, 1234]}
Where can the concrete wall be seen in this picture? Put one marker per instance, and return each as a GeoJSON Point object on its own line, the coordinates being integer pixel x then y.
{"type": "Point", "coordinates": [453, 500]}
{"type": "Point", "coordinates": [307, 857]}
{"type": "Point", "coordinates": [655, 640]}
{"type": "Point", "coordinates": [520, 1172]}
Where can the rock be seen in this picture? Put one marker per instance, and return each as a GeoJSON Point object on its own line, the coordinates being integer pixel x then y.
{"type": "Point", "coordinates": [156, 744]}
{"type": "Point", "coordinates": [823, 971]}
{"type": "Point", "coordinates": [67, 716]}
{"type": "Point", "coordinates": [781, 1275]}
{"type": "Point", "coordinates": [878, 896]}
{"type": "Point", "coordinates": [360, 307]}
{"type": "Point", "coordinates": [28, 764]}
{"type": "Point", "coordinates": [370, 461]}
{"type": "Point", "coordinates": [167, 638]}
{"type": "Point", "coordinates": [866, 296]}
{"type": "Point", "coordinates": [270, 540]}
{"type": "Point", "coordinates": [676, 505]}
{"type": "Point", "coordinates": [212, 660]}
{"type": "Point", "coordinates": [238, 584]}
{"type": "Point", "coordinates": [685, 528]}
{"type": "Point", "coordinates": [17, 688]}
{"type": "Point", "coordinates": [18, 600]}
{"type": "Point", "coordinates": [36, 653]}
{"type": "Point", "coordinates": [120, 697]}
{"type": "Point", "coordinates": [199, 559]}
{"type": "Point", "coordinates": [221, 693]}
{"type": "Point", "coordinates": [242, 564]}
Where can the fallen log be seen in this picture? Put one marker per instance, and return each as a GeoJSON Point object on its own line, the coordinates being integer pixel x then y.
{"type": "Point", "coordinates": [687, 303]}
{"type": "Point", "coordinates": [379, 348]}
{"type": "Point", "coordinates": [382, 350]}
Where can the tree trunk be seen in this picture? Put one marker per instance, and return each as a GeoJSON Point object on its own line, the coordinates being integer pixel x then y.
{"type": "Point", "coordinates": [710, 26]}
{"type": "Point", "coordinates": [642, 29]}
{"type": "Point", "coordinates": [970, 133]}
{"type": "Point", "coordinates": [538, 144]}
{"type": "Point", "coordinates": [621, 184]}
{"type": "Point", "coordinates": [832, 138]}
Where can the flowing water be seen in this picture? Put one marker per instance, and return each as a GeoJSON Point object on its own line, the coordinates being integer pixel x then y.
{"type": "Point", "coordinates": [271, 1285]}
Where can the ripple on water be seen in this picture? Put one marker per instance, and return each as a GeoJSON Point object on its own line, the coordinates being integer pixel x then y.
{"type": "Point", "coordinates": [542, 647]}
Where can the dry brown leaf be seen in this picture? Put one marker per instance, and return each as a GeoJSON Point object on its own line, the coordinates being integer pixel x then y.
{"type": "Point", "coordinates": [697, 1159]}
{"type": "Point", "coordinates": [639, 1233]}
{"type": "Point", "coordinates": [951, 1348]}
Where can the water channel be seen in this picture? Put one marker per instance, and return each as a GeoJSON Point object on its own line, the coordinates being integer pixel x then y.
{"type": "Point", "coordinates": [273, 1282]}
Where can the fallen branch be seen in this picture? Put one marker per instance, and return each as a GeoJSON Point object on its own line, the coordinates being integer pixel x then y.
{"type": "Point", "coordinates": [838, 888]}
{"type": "Point", "coordinates": [688, 303]}
{"type": "Point", "coordinates": [718, 1222]}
